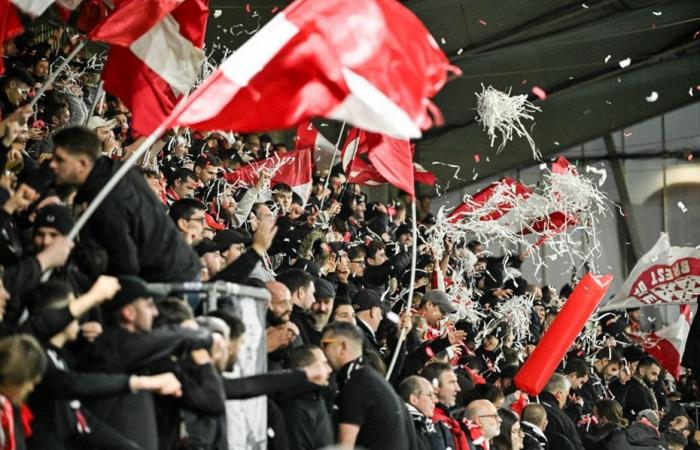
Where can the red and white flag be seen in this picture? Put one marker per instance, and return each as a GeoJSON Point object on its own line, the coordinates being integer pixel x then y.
{"type": "Point", "coordinates": [34, 8]}
{"type": "Point", "coordinates": [373, 159]}
{"type": "Point", "coordinates": [308, 136]}
{"type": "Point", "coordinates": [664, 275]}
{"type": "Point", "coordinates": [293, 169]}
{"type": "Point", "coordinates": [668, 344]}
{"type": "Point", "coordinates": [10, 26]}
{"type": "Point", "coordinates": [156, 55]}
{"type": "Point", "coordinates": [370, 63]}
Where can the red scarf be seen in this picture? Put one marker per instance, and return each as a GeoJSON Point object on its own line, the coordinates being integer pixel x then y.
{"type": "Point", "coordinates": [460, 439]}
{"type": "Point", "coordinates": [476, 435]}
{"type": "Point", "coordinates": [7, 421]}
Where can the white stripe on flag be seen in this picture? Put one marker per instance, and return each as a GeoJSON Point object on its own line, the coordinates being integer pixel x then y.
{"type": "Point", "coordinates": [168, 53]}
{"type": "Point", "coordinates": [254, 55]}
{"type": "Point", "coordinates": [33, 7]}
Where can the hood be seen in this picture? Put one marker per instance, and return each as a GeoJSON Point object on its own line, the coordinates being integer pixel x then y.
{"type": "Point", "coordinates": [639, 434]}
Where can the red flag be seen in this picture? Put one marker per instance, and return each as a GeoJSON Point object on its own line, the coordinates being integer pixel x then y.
{"type": "Point", "coordinates": [479, 199]}
{"type": "Point", "coordinates": [156, 55]}
{"type": "Point", "coordinates": [293, 169]}
{"type": "Point", "coordinates": [10, 26]}
{"type": "Point", "coordinates": [370, 63]}
{"type": "Point", "coordinates": [323, 149]}
{"type": "Point", "coordinates": [372, 159]}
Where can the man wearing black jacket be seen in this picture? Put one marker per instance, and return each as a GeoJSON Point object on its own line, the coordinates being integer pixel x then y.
{"type": "Point", "coordinates": [639, 394]}
{"type": "Point", "coordinates": [129, 346]}
{"type": "Point", "coordinates": [130, 225]}
{"type": "Point", "coordinates": [559, 427]}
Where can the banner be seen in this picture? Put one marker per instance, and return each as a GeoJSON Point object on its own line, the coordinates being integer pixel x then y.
{"type": "Point", "coordinates": [664, 276]}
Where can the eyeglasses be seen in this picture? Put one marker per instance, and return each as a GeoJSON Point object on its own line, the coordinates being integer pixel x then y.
{"type": "Point", "coordinates": [492, 416]}
{"type": "Point", "coordinates": [361, 262]}
{"type": "Point", "coordinates": [428, 394]}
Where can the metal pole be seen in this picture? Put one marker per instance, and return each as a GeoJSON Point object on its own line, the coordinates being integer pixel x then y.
{"type": "Point", "coordinates": [98, 98]}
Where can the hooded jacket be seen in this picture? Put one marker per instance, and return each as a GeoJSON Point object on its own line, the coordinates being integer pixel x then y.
{"type": "Point", "coordinates": [636, 437]}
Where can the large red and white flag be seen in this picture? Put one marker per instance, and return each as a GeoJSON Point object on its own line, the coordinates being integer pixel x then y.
{"type": "Point", "coordinates": [293, 169]}
{"type": "Point", "coordinates": [668, 344]}
{"type": "Point", "coordinates": [324, 151]}
{"type": "Point", "coordinates": [34, 8]}
{"type": "Point", "coordinates": [664, 275]}
{"type": "Point", "coordinates": [370, 63]}
{"type": "Point", "coordinates": [373, 159]}
{"type": "Point", "coordinates": [156, 55]}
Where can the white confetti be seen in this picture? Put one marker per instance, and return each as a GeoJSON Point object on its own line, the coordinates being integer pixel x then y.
{"type": "Point", "coordinates": [654, 96]}
{"type": "Point", "coordinates": [476, 175]}
{"type": "Point", "coordinates": [682, 207]}
{"type": "Point", "coordinates": [443, 41]}
{"type": "Point", "coordinates": [556, 143]}
{"type": "Point", "coordinates": [601, 172]}
{"type": "Point", "coordinates": [607, 58]}
{"type": "Point", "coordinates": [585, 6]}
{"type": "Point", "coordinates": [690, 91]}
{"type": "Point", "coordinates": [217, 13]}
{"type": "Point", "coordinates": [656, 13]}
{"type": "Point", "coordinates": [460, 51]}
{"type": "Point", "coordinates": [625, 62]}
{"type": "Point", "coordinates": [543, 166]}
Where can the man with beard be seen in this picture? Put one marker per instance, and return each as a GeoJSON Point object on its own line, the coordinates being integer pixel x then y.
{"type": "Point", "coordinates": [14, 87]}
{"type": "Point", "coordinates": [606, 366]}
{"type": "Point", "coordinates": [281, 333]}
{"type": "Point", "coordinates": [301, 287]}
{"type": "Point", "coordinates": [639, 394]}
{"type": "Point", "coordinates": [323, 306]}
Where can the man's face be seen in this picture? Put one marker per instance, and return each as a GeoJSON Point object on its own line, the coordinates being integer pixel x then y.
{"type": "Point", "coordinates": [611, 370]}
{"type": "Point", "coordinates": [234, 252]}
{"type": "Point", "coordinates": [45, 236]}
{"type": "Point", "coordinates": [213, 262]}
{"type": "Point", "coordinates": [206, 173]}
{"type": "Point", "coordinates": [69, 169]}
{"type": "Point", "coordinates": [433, 314]}
{"type": "Point", "coordinates": [281, 303]}
{"type": "Point", "coordinates": [680, 423]}
{"type": "Point", "coordinates": [104, 133]}
{"type": "Point", "coordinates": [146, 311]}
{"type": "Point", "coordinates": [540, 311]}
{"type": "Point", "coordinates": [41, 69]}
{"type": "Point", "coordinates": [345, 313]}
{"type": "Point", "coordinates": [576, 381]}
{"type": "Point", "coordinates": [490, 422]}
{"type": "Point", "coordinates": [321, 363]}
{"type": "Point", "coordinates": [357, 266]}
{"type": "Point", "coordinates": [650, 374]}
{"type": "Point", "coordinates": [336, 183]}
{"type": "Point", "coordinates": [193, 228]}
{"type": "Point", "coordinates": [306, 296]}
{"type": "Point", "coordinates": [16, 92]}
{"type": "Point", "coordinates": [62, 118]}
{"type": "Point", "coordinates": [284, 199]}
{"type": "Point", "coordinates": [406, 239]}
{"type": "Point", "coordinates": [321, 311]}
{"type": "Point", "coordinates": [448, 388]}
{"type": "Point", "coordinates": [425, 399]}
{"type": "Point", "coordinates": [378, 259]}
{"type": "Point", "coordinates": [334, 347]}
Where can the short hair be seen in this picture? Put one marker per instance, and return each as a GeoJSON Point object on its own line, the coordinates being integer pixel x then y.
{"type": "Point", "coordinates": [182, 174]}
{"type": "Point", "coordinates": [53, 294]}
{"type": "Point", "coordinates": [215, 325]}
{"type": "Point", "coordinates": [577, 366]}
{"type": "Point", "coordinates": [648, 361]}
{"type": "Point", "coordinates": [346, 330]}
{"type": "Point", "coordinates": [281, 188]}
{"type": "Point", "coordinates": [410, 386]}
{"type": "Point", "coordinates": [373, 247]}
{"type": "Point", "coordinates": [17, 72]}
{"type": "Point", "coordinates": [173, 311]}
{"type": "Point", "coordinates": [535, 414]}
{"type": "Point", "coordinates": [302, 356]}
{"type": "Point", "coordinates": [207, 159]}
{"type": "Point", "coordinates": [54, 108]}
{"type": "Point", "coordinates": [357, 251]}
{"type": "Point", "coordinates": [78, 141]}
{"type": "Point", "coordinates": [185, 208]}
{"type": "Point", "coordinates": [609, 353]}
{"type": "Point", "coordinates": [295, 279]}
{"type": "Point", "coordinates": [149, 173]}
{"type": "Point", "coordinates": [611, 410]}
{"type": "Point", "coordinates": [434, 371]}
{"type": "Point", "coordinates": [235, 324]}
{"type": "Point", "coordinates": [21, 360]}
{"type": "Point", "coordinates": [557, 383]}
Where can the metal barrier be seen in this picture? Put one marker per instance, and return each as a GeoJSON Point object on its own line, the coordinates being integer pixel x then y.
{"type": "Point", "coordinates": [246, 419]}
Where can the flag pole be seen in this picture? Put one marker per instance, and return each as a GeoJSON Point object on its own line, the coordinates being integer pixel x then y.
{"type": "Point", "coordinates": [328, 177]}
{"type": "Point", "coordinates": [98, 98]}
{"type": "Point", "coordinates": [56, 73]}
{"type": "Point", "coordinates": [414, 256]}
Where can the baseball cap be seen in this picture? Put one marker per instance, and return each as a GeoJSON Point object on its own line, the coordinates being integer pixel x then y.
{"type": "Point", "coordinates": [132, 288]}
{"type": "Point", "coordinates": [230, 237]}
{"type": "Point", "coordinates": [208, 246]}
{"type": "Point", "coordinates": [323, 289]}
{"type": "Point", "coordinates": [366, 299]}
{"type": "Point", "coordinates": [98, 122]}
{"type": "Point", "coordinates": [441, 299]}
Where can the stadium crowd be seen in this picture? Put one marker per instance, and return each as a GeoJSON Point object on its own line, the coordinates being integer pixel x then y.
{"type": "Point", "coordinates": [93, 358]}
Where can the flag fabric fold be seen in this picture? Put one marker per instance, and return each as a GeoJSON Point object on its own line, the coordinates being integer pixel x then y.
{"type": "Point", "coordinates": [156, 55]}
{"type": "Point", "coordinates": [370, 63]}
{"type": "Point", "coordinates": [308, 136]}
{"type": "Point", "coordinates": [10, 26]}
{"type": "Point", "coordinates": [294, 169]}
{"type": "Point", "coordinates": [664, 275]}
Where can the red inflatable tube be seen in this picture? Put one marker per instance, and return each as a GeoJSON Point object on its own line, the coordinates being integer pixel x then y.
{"type": "Point", "coordinates": [540, 366]}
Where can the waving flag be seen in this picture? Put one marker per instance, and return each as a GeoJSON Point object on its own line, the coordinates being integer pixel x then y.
{"type": "Point", "coordinates": [370, 63]}
{"type": "Point", "coordinates": [373, 159]}
{"type": "Point", "coordinates": [293, 169]}
{"type": "Point", "coordinates": [664, 275]}
{"type": "Point", "coordinates": [34, 8]}
{"type": "Point", "coordinates": [10, 26]}
{"type": "Point", "coordinates": [308, 136]}
{"type": "Point", "coordinates": [156, 55]}
{"type": "Point", "coordinates": [668, 344]}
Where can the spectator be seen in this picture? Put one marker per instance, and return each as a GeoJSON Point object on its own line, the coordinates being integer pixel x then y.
{"type": "Point", "coordinates": [560, 430]}
{"type": "Point", "coordinates": [511, 435]}
{"type": "Point", "coordinates": [639, 394]}
{"type": "Point", "coordinates": [444, 382]}
{"type": "Point", "coordinates": [483, 424]}
{"type": "Point", "coordinates": [533, 423]}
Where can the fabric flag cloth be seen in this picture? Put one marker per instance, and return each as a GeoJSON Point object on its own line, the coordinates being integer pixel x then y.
{"type": "Point", "coordinates": [156, 55]}
{"type": "Point", "coordinates": [293, 169]}
{"type": "Point", "coordinates": [668, 344]}
{"type": "Point", "coordinates": [664, 275]}
{"type": "Point", "coordinates": [373, 159]}
{"type": "Point", "coordinates": [34, 8]}
{"type": "Point", "coordinates": [10, 26]}
{"type": "Point", "coordinates": [308, 136]}
{"type": "Point", "coordinates": [370, 63]}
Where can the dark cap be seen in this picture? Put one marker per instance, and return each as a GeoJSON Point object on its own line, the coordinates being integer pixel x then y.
{"type": "Point", "coordinates": [229, 237]}
{"type": "Point", "coordinates": [441, 299]}
{"type": "Point", "coordinates": [402, 229]}
{"type": "Point", "coordinates": [208, 246]}
{"type": "Point", "coordinates": [633, 353]}
{"type": "Point", "coordinates": [323, 289]}
{"type": "Point", "coordinates": [132, 288]}
{"type": "Point", "coordinates": [366, 299]}
{"type": "Point", "coordinates": [54, 216]}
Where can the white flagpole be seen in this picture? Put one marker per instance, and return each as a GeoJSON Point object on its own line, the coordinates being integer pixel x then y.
{"type": "Point", "coordinates": [56, 73]}
{"type": "Point", "coordinates": [414, 256]}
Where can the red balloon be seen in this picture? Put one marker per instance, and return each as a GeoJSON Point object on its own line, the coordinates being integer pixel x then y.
{"type": "Point", "coordinates": [540, 366]}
